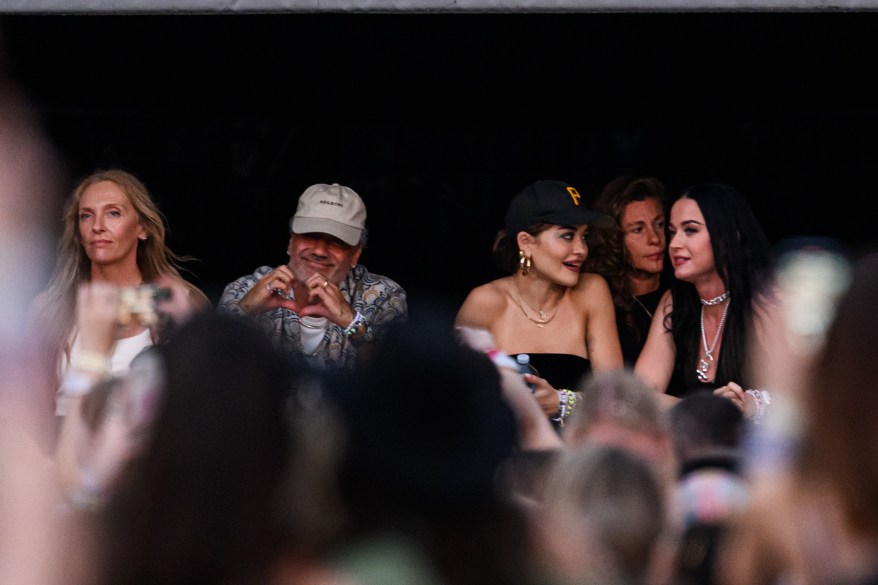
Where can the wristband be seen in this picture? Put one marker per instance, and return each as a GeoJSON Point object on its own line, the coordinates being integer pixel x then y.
{"type": "Point", "coordinates": [566, 404]}
{"type": "Point", "coordinates": [354, 325]}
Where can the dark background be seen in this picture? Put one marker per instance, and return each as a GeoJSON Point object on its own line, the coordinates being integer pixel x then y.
{"type": "Point", "coordinates": [437, 120]}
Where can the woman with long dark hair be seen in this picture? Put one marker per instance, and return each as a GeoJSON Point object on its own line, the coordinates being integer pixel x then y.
{"type": "Point", "coordinates": [723, 266]}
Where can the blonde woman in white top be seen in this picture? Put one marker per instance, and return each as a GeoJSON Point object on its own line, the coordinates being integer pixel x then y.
{"type": "Point", "coordinates": [113, 234]}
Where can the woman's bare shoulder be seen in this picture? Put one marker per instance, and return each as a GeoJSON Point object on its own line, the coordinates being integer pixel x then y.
{"type": "Point", "coordinates": [484, 303]}
{"type": "Point", "coordinates": [587, 279]}
{"type": "Point", "coordinates": [493, 291]}
{"type": "Point", "coordinates": [198, 299]}
{"type": "Point", "coordinates": [666, 302]}
{"type": "Point", "coordinates": [590, 284]}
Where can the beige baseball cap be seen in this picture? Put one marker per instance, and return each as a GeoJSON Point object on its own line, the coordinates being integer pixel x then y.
{"type": "Point", "coordinates": [330, 209]}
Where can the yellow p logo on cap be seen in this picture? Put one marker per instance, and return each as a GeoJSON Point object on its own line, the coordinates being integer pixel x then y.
{"type": "Point", "coordinates": [574, 194]}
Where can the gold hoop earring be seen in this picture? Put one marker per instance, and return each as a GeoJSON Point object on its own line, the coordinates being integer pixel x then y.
{"type": "Point", "coordinates": [524, 262]}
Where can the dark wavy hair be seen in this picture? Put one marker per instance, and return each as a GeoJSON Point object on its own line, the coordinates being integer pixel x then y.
{"type": "Point", "coordinates": [608, 255]}
{"type": "Point", "coordinates": [744, 260]}
{"type": "Point", "coordinates": [200, 504]}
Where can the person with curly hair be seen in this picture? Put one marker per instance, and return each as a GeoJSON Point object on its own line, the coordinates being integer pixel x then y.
{"type": "Point", "coordinates": [631, 255]}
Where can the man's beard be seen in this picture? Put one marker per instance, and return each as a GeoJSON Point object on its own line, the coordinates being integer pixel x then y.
{"type": "Point", "coordinates": [302, 271]}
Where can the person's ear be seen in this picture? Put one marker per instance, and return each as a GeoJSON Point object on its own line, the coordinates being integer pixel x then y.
{"type": "Point", "coordinates": [525, 242]}
{"type": "Point", "coordinates": [356, 257]}
{"type": "Point", "coordinates": [290, 247]}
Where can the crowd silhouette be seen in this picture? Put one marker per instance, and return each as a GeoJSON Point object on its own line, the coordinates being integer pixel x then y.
{"type": "Point", "coordinates": [731, 443]}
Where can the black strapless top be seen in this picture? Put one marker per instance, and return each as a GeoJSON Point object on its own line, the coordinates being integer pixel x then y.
{"type": "Point", "coordinates": [562, 370]}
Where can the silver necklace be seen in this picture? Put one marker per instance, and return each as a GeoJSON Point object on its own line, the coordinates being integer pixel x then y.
{"type": "Point", "coordinates": [320, 344]}
{"type": "Point", "coordinates": [715, 300]}
{"type": "Point", "coordinates": [280, 292]}
{"type": "Point", "coordinates": [704, 364]}
{"type": "Point", "coordinates": [306, 325]}
{"type": "Point", "coordinates": [644, 307]}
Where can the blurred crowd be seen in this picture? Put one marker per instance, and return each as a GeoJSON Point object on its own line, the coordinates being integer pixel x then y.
{"type": "Point", "coordinates": [699, 410]}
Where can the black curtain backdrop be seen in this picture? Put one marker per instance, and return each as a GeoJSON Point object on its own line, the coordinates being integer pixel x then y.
{"type": "Point", "coordinates": [438, 120]}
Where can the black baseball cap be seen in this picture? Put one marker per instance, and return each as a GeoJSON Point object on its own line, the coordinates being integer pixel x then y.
{"type": "Point", "coordinates": [553, 202]}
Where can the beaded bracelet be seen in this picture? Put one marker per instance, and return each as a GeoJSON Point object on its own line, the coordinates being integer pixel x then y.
{"type": "Point", "coordinates": [571, 401]}
{"type": "Point", "coordinates": [355, 324]}
{"type": "Point", "coordinates": [761, 398]}
{"type": "Point", "coordinates": [566, 402]}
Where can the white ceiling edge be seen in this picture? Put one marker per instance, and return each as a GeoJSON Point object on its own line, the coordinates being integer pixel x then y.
{"type": "Point", "coordinates": [417, 6]}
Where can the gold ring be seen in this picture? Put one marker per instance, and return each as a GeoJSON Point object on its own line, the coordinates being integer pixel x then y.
{"type": "Point", "coordinates": [325, 283]}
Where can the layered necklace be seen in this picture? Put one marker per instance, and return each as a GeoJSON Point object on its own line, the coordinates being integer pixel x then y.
{"type": "Point", "coordinates": [544, 316]}
{"type": "Point", "coordinates": [299, 319]}
{"type": "Point", "coordinates": [715, 300]}
{"type": "Point", "coordinates": [704, 363]}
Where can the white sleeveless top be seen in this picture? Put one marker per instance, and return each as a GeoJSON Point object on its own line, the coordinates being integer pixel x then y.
{"type": "Point", "coordinates": [120, 361]}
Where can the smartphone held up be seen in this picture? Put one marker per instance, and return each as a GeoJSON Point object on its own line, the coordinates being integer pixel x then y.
{"type": "Point", "coordinates": [138, 304]}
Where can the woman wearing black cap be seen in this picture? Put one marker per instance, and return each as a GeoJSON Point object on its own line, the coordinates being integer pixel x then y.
{"type": "Point", "coordinates": [563, 318]}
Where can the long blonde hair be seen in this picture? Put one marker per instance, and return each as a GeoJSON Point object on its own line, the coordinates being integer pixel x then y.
{"type": "Point", "coordinates": [73, 266]}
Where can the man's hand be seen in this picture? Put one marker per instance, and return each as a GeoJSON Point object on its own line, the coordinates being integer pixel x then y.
{"type": "Point", "coordinates": [326, 300]}
{"type": "Point", "coordinates": [270, 292]}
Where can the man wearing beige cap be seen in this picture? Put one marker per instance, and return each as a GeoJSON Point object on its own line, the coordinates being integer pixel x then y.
{"type": "Point", "coordinates": [322, 306]}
